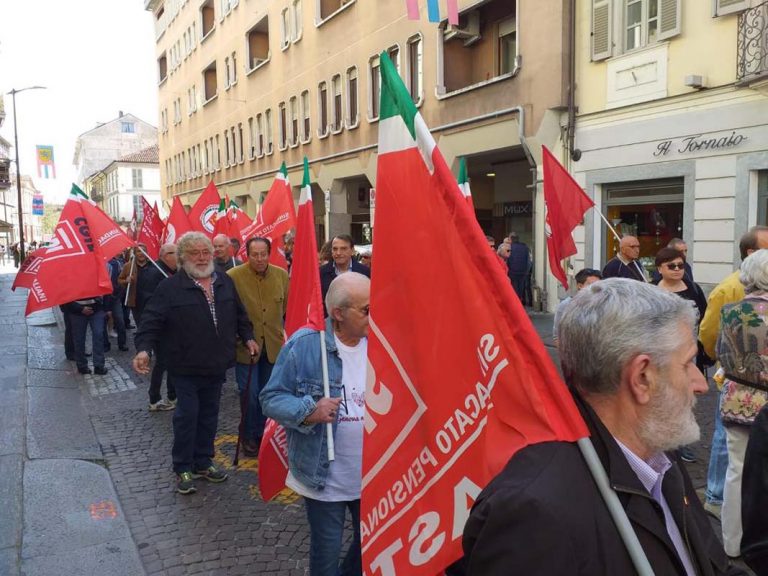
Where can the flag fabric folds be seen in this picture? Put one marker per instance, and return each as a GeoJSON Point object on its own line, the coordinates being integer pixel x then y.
{"type": "Point", "coordinates": [221, 226]}
{"type": "Point", "coordinates": [566, 204]}
{"type": "Point", "coordinates": [151, 230]}
{"type": "Point", "coordinates": [458, 379]}
{"type": "Point", "coordinates": [276, 217]}
{"type": "Point", "coordinates": [177, 224]}
{"type": "Point", "coordinates": [464, 181]}
{"type": "Point", "coordinates": [202, 217]}
{"type": "Point", "coordinates": [238, 220]}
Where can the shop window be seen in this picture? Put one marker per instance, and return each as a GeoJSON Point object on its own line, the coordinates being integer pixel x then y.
{"type": "Point", "coordinates": [258, 44]}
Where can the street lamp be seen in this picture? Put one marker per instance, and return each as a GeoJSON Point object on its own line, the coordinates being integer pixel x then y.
{"type": "Point", "coordinates": [13, 93]}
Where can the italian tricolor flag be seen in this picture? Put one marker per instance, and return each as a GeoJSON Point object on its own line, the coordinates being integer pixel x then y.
{"type": "Point", "coordinates": [464, 181]}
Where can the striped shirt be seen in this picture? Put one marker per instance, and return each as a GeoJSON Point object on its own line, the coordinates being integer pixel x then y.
{"type": "Point", "coordinates": [651, 475]}
{"type": "Point", "coordinates": [210, 299]}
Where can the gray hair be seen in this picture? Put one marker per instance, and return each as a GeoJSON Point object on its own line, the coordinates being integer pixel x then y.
{"type": "Point", "coordinates": [754, 272]}
{"type": "Point", "coordinates": [340, 291]}
{"type": "Point", "coordinates": [165, 248]}
{"type": "Point", "coordinates": [610, 322]}
{"type": "Point", "coordinates": [188, 240]}
{"type": "Point", "coordinates": [222, 236]}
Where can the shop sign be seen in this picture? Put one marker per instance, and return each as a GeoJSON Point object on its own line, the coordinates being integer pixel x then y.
{"type": "Point", "coordinates": [518, 208]}
{"type": "Point", "coordinates": [697, 143]}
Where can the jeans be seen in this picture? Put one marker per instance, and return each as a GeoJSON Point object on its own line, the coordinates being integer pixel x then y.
{"type": "Point", "coordinates": [118, 320]}
{"type": "Point", "coordinates": [69, 342]}
{"type": "Point", "coordinates": [156, 381]}
{"type": "Point", "coordinates": [718, 462]}
{"type": "Point", "coordinates": [326, 528]}
{"type": "Point", "coordinates": [254, 417]}
{"type": "Point", "coordinates": [518, 283]}
{"type": "Point", "coordinates": [195, 420]}
{"type": "Point", "coordinates": [80, 325]}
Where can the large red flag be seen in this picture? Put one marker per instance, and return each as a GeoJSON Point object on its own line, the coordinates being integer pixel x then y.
{"type": "Point", "coordinates": [458, 378]}
{"type": "Point", "coordinates": [108, 235]}
{"type": "Point", "coordinates": [177, 224]}
{"type": "Point", "coordinates": [238, 219]}
{"type": "Point", "coordinates": [202, 216]}
{"type": "Point", "coordinates": [151, 230]}
{"type": "Point", "coordinates": [221, 225]}
{"type": "Point", "coordinates": [305, 309]}
{"type": "Point", "coordinates": [276, 217]}
{"type": "Point", "coordinates": [566, 205]}
{"type": "Point", "coordinates": [28, 269]}
{"type": "Point", "coordinates": [73, 266]}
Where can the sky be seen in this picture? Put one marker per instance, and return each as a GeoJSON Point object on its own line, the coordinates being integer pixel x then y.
{"type": "Point", "coordinates": [95, 58]}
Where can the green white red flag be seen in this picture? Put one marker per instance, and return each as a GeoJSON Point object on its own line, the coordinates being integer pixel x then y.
{"type": "Point", "coordinates": [202, 217]}
{"type": "Point", "coordinates": [238, 220]}
{"type": "Point", "coordinates": [458, 379]}
{"type": "Point", "coordinates": [222, 220]}
{"type": "Point", "coordinates": [151, 230]}
{"type": "Point", "coordinates": [177, 224]}
{"type": "Point", "coordinates": [464, 181]}
{"type": "Point", "coordinates": [276, 217]}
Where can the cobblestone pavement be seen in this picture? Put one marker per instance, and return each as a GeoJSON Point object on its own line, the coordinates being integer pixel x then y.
{"type": "Point", "coordinates": [224, 529]}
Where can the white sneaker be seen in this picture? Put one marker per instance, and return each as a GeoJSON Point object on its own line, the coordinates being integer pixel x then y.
{"type": "Point", "coordinates": [160, 406]}
{"type": "Point", "coordinates": [113, 334]}
{"type": "Point", "coordinates": [171, 403]}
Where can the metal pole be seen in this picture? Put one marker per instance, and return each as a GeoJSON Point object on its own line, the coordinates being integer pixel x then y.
{"type": "Point", "coordinates": [327, 394]}
{"type": "Point", "coordinates": [18, 179]}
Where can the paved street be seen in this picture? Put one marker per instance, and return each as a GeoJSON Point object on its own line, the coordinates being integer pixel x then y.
{"type": "Point", "coordinates": [91, 480]}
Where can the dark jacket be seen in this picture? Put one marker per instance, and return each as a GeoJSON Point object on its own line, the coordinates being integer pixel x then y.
{"type": "Point", "coordinates": [154, 276]}
{"type": "Point", "coordinates": [615, 268]}
{"type": "Point", "coordinates": [754, 496]}
{"type": "Point", "coordinates": [76, 306]}
{"type": "Point", "coordinates": [519, 261]}
{"type": "Point", "coordinates": [228, 264]}
{"type": "Point", "coordinates": [328, 273]}
{"type": "Point", "coordinates": [178, 315]}
{"type": "Point", "coordinates": [543, 515]}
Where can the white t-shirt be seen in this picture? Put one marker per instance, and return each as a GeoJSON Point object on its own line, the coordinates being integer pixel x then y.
{"type": "Point", "coordinates": [345, 472]}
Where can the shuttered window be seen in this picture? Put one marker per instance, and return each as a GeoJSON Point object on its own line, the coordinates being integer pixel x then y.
{"type": "Point", "coordinates": [643, 23]}
{"type": "Point", "coordinates": [723, 7]}
{"type": "Point", "coordinates": [601, 29]}
{"type": "Point", "coordinates": [669, 18]}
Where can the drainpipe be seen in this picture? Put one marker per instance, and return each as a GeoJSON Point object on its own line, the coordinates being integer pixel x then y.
{"type": "Point", "coordinates": [573, 153]}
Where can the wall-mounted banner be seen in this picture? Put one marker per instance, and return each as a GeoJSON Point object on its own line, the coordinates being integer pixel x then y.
{"type": "Point", "coordinates": [45, 165]}
{"type": "Point", "coordinates": [37, 205]}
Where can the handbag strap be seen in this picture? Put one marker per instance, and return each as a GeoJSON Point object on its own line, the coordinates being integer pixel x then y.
{"type": "Point", "coordinates": [738, 380]}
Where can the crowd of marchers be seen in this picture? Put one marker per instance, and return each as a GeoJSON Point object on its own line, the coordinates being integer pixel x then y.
{"type": "Point", "coordinates": [635, 349]}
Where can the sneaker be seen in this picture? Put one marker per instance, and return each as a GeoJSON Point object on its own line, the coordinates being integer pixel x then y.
{"type": "Point", "coordinates": [185, 483]}
{"type": "Point", "coordinates": [687, 455]}
{"type": "Point", "coordinates": [100, 370]}
{"type": "Point", "coordinates": [113, 334]}
{"type": "Point", "coordinates": [160, 406]}
{"type": "Point", "coordinates": [171, 403]}
{"type": "Point", "coordinates": [212, 474]}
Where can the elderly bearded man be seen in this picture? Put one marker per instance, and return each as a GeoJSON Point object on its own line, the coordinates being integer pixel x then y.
{"type": "Point", "coordinates": [628, 351]}
{"type": "Point", "coordinates": [195, 315]}
{"type": "Point", "coordinates": [263, 289]}
{"type": "Point", "coordinates": [294, 398]}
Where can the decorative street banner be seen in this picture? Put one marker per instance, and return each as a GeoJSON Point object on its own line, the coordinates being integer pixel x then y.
{"type": "Point", "coordinates": [37, 205]}
{"type": "Point", "coordinates": [45, 161]}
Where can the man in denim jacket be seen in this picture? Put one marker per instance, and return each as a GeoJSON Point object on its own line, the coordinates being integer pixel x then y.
{"type": "Point", "coordinates": [294, 398]}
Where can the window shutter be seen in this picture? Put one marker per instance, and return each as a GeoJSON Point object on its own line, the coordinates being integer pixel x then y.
{"type": "Point", "coordinates": [669, 18]}
{"type": "Point", "coordinates": [723, 7]}
{"type": "Point", "coordinates": [601, 29]}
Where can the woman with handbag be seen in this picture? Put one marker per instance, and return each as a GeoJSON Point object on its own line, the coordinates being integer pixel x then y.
{"type": "Point", "coordinates": [742, 349]}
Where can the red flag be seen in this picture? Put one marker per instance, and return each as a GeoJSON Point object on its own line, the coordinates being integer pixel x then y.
{"type": "Point", "coordinates": [566, 204]}
{"type": "Point", "coordinates": [238, 220]}
{"type": "Point", "coordinates": [151, 231]}
{"type": "Point", "coordinates": [73, 266]}
{"type": "Point", "coordinates": [177, 223]}
{"type": "Point", "coordinates": [458, 379]}
{"type": "Point", "coordinates": [28, 270]}
{"type": "Point", "coordinates": [276, 217]}
{"type": "Point", "coordinates": [201, 217]}
{"type": "Point", "coordinates": [108, 235]}
{"type": "Point", "coordinates": [133, 227]}
{"type": "Point", "coordinates": [221, 225]}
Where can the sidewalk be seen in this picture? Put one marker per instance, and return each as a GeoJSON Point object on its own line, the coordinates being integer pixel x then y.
{"type": "Point", "coordinates": [61, 514]}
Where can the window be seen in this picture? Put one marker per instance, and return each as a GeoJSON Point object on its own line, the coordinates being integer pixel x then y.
{"type": "Point", "coordinates": [352, 102]}
{"type": "Point", "coordinates": [251, 139]}
{"type": "Point", "coordinates": [191, 100]}
{"type": "Point", "coordinates": [240, 154]}
{"type": "Point", "coordinates": [415, 71]}
{"type": "Point", "coordinates": [218, 153]}
{"type": "Point", "coordinates": [507, 45]}
{"type": "Point", "coordinates": [259, 135]}
{"type": "Point", "coordinates": [138, 206]}
{"type": "Point", "coordinates": [306, 134]}
{"type": "Point", "coordinates": [285, 28]}
{"type": "Point", "coordinates": [643, 23]}
{"type": "Point", "coordinates": [258, 44]}
{"type": "Point", "coordinates": [233, 73]}
{"type": "Point", "coordinates": [162, 68]}
{"type": "Point", "coordinates": [293, 109]}
{"type": "Point", "coordinates": [394, 54]}
{"type": "Point", "coordinates": [210, 82]}
{"type": "Point", "coordinates": [127, 127]}
{"type": "Point", "coordinates": [374, 80]}
{"type": "Point", "coordinates": [227, 157]}
{"type": "Point", "coordinates": [297, 20]}
{"type": "Point", "coordinates": [322, 105]}
{"type": "Point", "coordinates": [337, 108]}
{"type": "Point", "coordinates": [137, 179]}
{"type": "Point", "coordinates": [164, 120]}
{"type": "Point", "coordinates": [207, 158]}
{"type": "Point", "coordinates": [207, 18]}
{"type": "Point", "coordinates": [282, 126]}
{"type": "Point", "coordinates": [328, 8]}
{"type": "Point", "coordinates": [268, 130]}
{"type": "Point", "coordinates": [226, 73]}
{"type": "Point", "coordinates": [177, 111]}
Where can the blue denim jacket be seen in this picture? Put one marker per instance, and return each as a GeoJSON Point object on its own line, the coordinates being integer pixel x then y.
{"type": "Point", "coordinates": [291, 394]}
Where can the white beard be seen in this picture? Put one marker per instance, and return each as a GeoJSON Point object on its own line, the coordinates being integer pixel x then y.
{"type": "Point", "coordinates": [670, 422]}
{"type": "Point", "coordinates": [195, 272]}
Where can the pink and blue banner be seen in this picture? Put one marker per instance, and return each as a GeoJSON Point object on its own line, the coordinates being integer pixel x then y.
{"type": "Point", "coordinates": [433, 10]}
{"type": "Point", "coordinates": [45, 166]}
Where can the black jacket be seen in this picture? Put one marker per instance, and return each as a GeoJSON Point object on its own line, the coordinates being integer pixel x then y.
{"type": "Point", "coordinates": [754, 497]}
{"type": "Point", "coordinates": [328, 273]}
{"type": "Point", "coordinates": [178, 316]}
{"type": "Point", "coordinates": [543, 515]}
{"type": "Point", "coordinates": [154, 277]}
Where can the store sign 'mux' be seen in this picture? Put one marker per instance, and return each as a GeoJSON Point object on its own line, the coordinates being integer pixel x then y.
{"type": "Point", "coordinates": [697, 143]}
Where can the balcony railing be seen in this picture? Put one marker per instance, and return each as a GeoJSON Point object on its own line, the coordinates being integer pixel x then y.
{"type": "Point", "coordinates": [752, 44]}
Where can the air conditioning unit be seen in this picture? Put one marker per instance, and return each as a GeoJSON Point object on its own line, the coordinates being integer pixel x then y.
{"type": "Point", "coordinates": [470, 32]}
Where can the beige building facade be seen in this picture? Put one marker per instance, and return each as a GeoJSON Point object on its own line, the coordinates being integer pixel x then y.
{"type": "Point", "coordinates": [670, 136]}
{"type": "Point", "coordinates": [245, 85]}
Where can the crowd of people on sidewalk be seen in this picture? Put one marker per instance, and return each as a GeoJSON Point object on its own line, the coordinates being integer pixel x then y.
{"type": "Point", "coordinates": [635, 349]}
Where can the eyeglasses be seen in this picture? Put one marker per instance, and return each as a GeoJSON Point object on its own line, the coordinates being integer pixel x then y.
{"type": "Point", "coordinates": [633, 246]}
{"type": "Point", "coordinates": [196, 253]}
{"type": "Point", "coordinates": [675, 266]}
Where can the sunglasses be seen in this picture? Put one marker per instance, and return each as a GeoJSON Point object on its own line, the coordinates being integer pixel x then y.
{"type": "Point", "coordinates": [673, 266]}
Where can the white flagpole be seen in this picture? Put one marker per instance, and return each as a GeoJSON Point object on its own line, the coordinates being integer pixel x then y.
{"type": "Point", "coordinates": [327, 394]}
{"type": "Point", "coordinates": [618, 238]}
{"type": "Point", "coordinates": [130, 278]}
{"type": "Point", "coordinates": [153, 262]}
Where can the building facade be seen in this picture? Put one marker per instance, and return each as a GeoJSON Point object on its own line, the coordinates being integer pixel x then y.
{"type": "Point", "coordinates": [247, 84]}
{"type": "Point", "coordinates": [671, 134]}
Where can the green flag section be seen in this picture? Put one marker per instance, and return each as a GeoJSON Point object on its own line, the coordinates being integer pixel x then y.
{"type": "Point", "coordinates": [458, 379]}
{"type": "Point", "coordinates": [464, 181]}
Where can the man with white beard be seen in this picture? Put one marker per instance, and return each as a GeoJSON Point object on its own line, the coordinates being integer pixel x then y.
{"type": "Point", "coordinates": [628, 352]}
{"type": "Point", "coordinates": [196, 315]}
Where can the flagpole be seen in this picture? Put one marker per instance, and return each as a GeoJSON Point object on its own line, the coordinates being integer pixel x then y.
{"type": "Point", "coordinates": [617, 512]}
{"type": "Point", "coordinates": [618, 238]}
{"type": "Point", "coordinates": [153, 262]}
{"type": "Point", "coordinates": [130, 278]}
{"type": "Point", "coordinates": [327, 394]}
